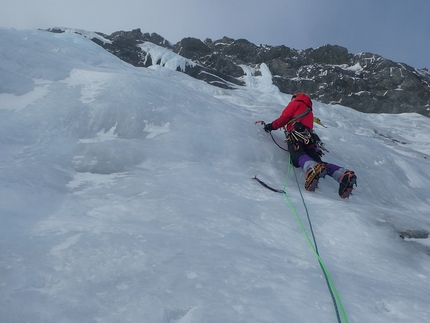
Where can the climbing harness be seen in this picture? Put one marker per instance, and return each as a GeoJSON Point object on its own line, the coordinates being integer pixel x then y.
{"type": "Point", "coordinates": [306, 136]}
{"type": "Point", "coordinates": [303, 136]}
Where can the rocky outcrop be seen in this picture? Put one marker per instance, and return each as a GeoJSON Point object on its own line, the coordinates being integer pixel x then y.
{"type": "Point", "coordinates": [329, 74]}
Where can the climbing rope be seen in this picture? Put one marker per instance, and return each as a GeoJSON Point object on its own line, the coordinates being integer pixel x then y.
{"type": "Point", "coordinates": [337, 303]}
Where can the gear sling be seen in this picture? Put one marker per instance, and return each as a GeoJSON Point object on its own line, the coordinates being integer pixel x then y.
{"type": "Point", "coordinates": [302, 140]}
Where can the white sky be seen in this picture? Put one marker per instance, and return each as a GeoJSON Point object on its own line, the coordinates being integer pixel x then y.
{"type": "Point", "coordinates": [398, 30]}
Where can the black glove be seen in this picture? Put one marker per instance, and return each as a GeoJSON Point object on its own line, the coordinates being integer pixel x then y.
{"type": "Point", "coordinates": [268, 127]}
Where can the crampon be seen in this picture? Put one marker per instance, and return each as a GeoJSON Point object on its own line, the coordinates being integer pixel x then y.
{"type": "Point", "coordinates": [347, 181]}
{"type": "Point", "coordinates": [313, 175]}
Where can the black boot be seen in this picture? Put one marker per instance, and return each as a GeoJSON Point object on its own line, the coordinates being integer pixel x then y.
{"type": "Point", "coordinates": [347, 181]}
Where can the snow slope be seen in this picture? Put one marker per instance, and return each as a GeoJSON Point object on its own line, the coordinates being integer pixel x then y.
{"type": "Point", "coordinates": [126, 196]}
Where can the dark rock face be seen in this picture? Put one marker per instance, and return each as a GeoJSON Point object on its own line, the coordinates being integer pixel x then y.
{"type": "Point", "coordinates": [329, 74]}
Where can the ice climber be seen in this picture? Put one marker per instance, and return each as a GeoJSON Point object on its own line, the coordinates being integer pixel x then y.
{"type": "Point", "coordinates": [305, 146]}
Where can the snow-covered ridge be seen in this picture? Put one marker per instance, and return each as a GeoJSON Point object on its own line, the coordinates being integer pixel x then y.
{"type": "Point", "coordinates": [85, 33]}
{"type": "Point", "coordinates": [315, 69]}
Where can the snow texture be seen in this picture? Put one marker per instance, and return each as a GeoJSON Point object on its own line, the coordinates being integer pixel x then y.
{"type": "Point", "coordinates": [126, 196]}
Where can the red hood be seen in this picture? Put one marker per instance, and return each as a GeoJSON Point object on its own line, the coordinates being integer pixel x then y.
{"type": "Point", "coordinates": [305, 99]}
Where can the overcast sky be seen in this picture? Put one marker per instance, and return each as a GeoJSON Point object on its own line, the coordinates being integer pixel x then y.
{"type": "Point", "coordinates": [395, 29]}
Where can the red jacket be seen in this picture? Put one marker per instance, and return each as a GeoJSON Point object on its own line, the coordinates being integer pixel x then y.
{"type": "Point", "coordinates": [297, 106]}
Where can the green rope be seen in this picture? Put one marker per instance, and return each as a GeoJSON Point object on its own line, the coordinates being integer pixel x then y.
{"type": "Point", "coordinates": [316, 249]}
{"type": "Point", "coordinates": [335, 296]}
